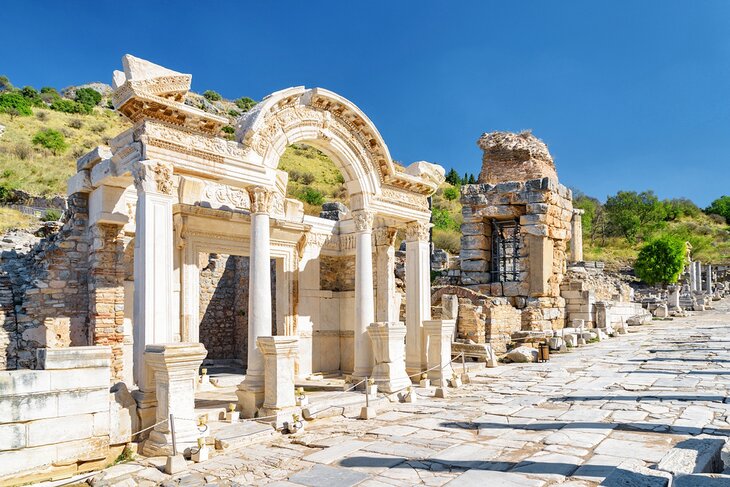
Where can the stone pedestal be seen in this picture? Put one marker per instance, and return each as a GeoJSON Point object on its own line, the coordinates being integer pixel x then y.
{"type": "Point", "coordinates": [439, 334]}
{"type": "Point", "coordinates": [173, 369]}
{"type": "Point", "coordinates": [280, 353]}
{"type": "Point", "coordinates": [364, 298]}
{"type": "Point", "coordinates": [251, 390]}
{"type": "Point", "coordinates": [576, 237]}
{"type": "Point", "coordinates": [418, 294]}
{"type": "Point", "coordinates": [389, 372]}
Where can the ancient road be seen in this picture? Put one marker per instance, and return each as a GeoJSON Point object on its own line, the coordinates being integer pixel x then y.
{"type": "Point", "coordinates": [571, 421]}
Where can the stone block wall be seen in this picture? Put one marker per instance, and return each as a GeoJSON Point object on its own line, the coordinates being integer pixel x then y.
{"type": "Point", "coordinates": [584, 285]}
{"type": "Point", "coordinates": [56, 419]}
{"type": "Point", "coordinates": [50, 292]}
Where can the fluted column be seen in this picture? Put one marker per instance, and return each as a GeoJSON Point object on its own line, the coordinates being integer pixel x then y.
{"type": "Point", "coordinates": [364, 299]}
{"type": "Point", "coordinates": [708, 282]}
{"type": "Point", "coordinates": [385, 295]}
{"type": "Point", "coordinates": [418, 294]}
{"type": "Point", "coordinates": [251, 390]}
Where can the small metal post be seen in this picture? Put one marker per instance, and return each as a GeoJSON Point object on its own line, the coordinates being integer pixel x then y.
{"type": "Point", "coordinates": [367, 392]}
{"type": "Point", "coordinates": [172, 431]}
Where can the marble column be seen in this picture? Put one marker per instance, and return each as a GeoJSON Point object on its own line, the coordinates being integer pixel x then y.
{"type": "Point", "coordinates": [388, 347]}
{"type": "Point", "coordinates": [308, 310]}
{"type": "Point", "coordinates": [385, 296]}
{"type": "Point", "coordinates": [439, 335]}
{"type": "Point", "coordinates": [190, 282]}
{"type": "Point", "coordinates": [173, 370]}
{"type": "Point", "coordinates": [708, 284]}
{"type": "Point", "coordinates": [418, 294]}
{"type": "Point", "coordinates": [692, 276]}
{"type": "Point", "coordinates": [698, 276]}
{"type": "Point", "coordinates": [576, 238]}
{"type": "Point", "coordinates": [154, 317]}
{"type": "Point", "coordinates": [364, 299]}
{"type": "Point", "coordinates": [280, 354]}
{"type": "Point", "coordinates": [251, 390]}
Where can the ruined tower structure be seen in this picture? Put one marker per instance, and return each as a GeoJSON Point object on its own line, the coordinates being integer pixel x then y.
{"type": "Point", "coordinates": [517, 224]}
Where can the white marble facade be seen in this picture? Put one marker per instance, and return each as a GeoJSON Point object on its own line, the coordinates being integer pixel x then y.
{"type": "Point", "coordinates": [179, 189]}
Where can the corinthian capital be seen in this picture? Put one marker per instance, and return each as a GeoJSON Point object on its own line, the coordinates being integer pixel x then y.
{"type": "Point", "coordinates": [363, 220]}
{"type": "Point", "coordinates": [417, 231]}
{"type": "Point", "coordinates": [153, 177]}
{"type": "Point", "coordinates": [385, 236]}
{"type": "Point", "coordinates": [261, 199]}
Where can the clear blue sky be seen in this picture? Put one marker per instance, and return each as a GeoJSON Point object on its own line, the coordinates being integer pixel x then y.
{"type": "Point", "coordinates": [627, 94]}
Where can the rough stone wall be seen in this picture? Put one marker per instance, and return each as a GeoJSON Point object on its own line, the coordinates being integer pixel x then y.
{"type": "Point", "coordinates": [337, 273]}
{"type": "Point", "coordinates": [106, 292]}
{"type": "Point", "coordinates": [583, 287]}
{"type": "Point", "coordinates": [514, 157]}
{"type": "Point", "coordinates": [50, 289]}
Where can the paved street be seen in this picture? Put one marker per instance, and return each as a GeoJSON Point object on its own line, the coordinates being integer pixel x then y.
{"type": "Point", "coordinates": [568, 422]}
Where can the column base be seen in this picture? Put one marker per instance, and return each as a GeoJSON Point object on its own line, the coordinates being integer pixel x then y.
{"type": "Point", "coordinates": [281, 416]}
{"type": "Point", "coordinates": [389, 378]}
{"type": "Point", "coordinates": [146, 408]}
{"type": "Point", "coordinates": [250, 401]}
{"type": "Point", "coordinates": [160, 443]}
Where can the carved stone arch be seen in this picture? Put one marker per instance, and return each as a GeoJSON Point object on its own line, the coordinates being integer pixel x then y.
{"type": "Point", "coordinates": [324, 120]}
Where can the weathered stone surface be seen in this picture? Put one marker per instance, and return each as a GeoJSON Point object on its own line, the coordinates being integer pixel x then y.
{"type": "Point", "coordinates": [522, 355]}
{"type": "Point", "coordinates": [696, 455]}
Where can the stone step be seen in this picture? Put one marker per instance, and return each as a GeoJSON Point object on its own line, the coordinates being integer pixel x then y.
{"type": "Point", "coordinates": [235, 435]}
{"type": "Point", "coordinates": [694, 455]}
{"type": "Point", "coordinates": [702, 480]}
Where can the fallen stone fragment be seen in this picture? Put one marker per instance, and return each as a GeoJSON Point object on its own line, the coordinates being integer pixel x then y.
{"type": "Point", "coordinates": [695, 455]}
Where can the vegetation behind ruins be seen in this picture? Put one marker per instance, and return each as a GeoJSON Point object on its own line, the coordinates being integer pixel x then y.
{"type": "Point", "coordinates": [46, 131]}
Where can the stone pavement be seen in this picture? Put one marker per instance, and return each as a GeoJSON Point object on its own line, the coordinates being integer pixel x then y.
{"type": "Point", "coordinates": [570, 422]}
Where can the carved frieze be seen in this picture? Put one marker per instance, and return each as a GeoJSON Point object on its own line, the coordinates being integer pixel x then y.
{"type": "Point", "coordinates": [220, 195]}
{"type": "Point", "coordinates": [409, 199]}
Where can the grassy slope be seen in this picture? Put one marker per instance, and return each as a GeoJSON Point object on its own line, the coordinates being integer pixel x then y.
{"type": "Point", "coordinates": [36, 170]}
{"type": "Point", "coordinates": [10, 219]}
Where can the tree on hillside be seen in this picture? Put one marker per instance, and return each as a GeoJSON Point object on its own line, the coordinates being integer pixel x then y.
{"type": "Point", "coordinates": [593, 213]}
{"type": "Point", "coordinates": [629, 213]}
{"type": "Point", "coordinates": [677, 208]}
{"type": "Point", "coordinates": [14, 103]}
{"type": "Point", "coordinates": [5, 84]}
{"type": "Point", "coordinates": [88, 97]}
{"type": "Point", "coordinates": [452, 177]}
{"type": "Point", "coordinates": [661, 261]}
{"type": "Point", "coordinates": [721, 206]}
{"type": "Point", "coordinates": [245, 103]}
{"type": "Point", "coordinates": [211, 95]}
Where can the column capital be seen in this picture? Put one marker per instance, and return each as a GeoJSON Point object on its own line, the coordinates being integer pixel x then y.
{"type": "Point", "coordinates": [385, 236]}
{"type": "Point", "coordinates": [262, 199]}
{"type": "Point", "coordinates": [578, 212]}
{"type": "Point", "coordinates": [153, 177]}
{"type": "Point", "coordinates": [417, 231]}
{"type": "Point", "coordinates": [363, 220]}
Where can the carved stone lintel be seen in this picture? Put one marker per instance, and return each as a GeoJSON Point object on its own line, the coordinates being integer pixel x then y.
{"type": "Point", "coordinates": [385, 236]}
{"type": "Point", "coordinates": [417, 231]}
{"type": "Point", "coordinates": [153, 177]}
{"type": "Point", "coordinates": [363, 220]}
{"type": "Point", "coordinates": [262, 199]}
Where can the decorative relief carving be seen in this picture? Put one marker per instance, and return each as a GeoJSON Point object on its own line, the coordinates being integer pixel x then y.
{"type": "Point", "coordinates": [385, 236]}
{"type": "Point", "coordinates": [363, 220]}
{"type": "Point", "coordinates": [261, 199]}
{"type": "Point", "coordinates": [412, 200]}
{"type": "Point", "coordinates": [224, 195]}
{"type": "Point", "coordinates": [186, 141]}
{"type": "Point", "coordinates": [418, 231]}
{"type": "Point", "coordinates": [153, 177]}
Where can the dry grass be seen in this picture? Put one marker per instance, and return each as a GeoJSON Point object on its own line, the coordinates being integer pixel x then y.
{"type": "Point", "coordinates": [10, 219]}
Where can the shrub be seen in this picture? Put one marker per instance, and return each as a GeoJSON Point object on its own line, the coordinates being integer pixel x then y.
{"type": "Point", "coordinates": [451, 193]}
{"type": "Point", "coordinates": [211, 95]}
{"type": "Point", "coordinates": [32, 95]}
{"type": "Point", "coordinates": [307, 178]}
{"type": "Point", "coordinates": [49, 89]}
{"type": "Point", "coordinates": [340, 179]}
{"type": "Point", "coordinates": [69, 106]}
{"type": "Point", "coordinates": [234, 113]}
{"type": "Point", "coordinates": [229, 129]}
{"type": "Point", "coordinates": [98, 128]}
{"type": "Point", "coordinates": [721, 206]}
{"type": "Point", "coordinates": [5, 84]}
{"type": "Point", "coordinates": [14, 101]}
{"type": "Point", "coordinates": [51, 215]}
{"type": "Point", "coordinates": [75, 123]}
{"type": "Point", "coordinates": [88, 97]}
{"type": "Point", "coordinates": [311, 196]}
{"type": "Point", "coordinates": [661, 260]}
{"type": "Point", "coordinates": [629, 213]}
{"type": "Point", "coordinates": [22, 151]}
{"type": "Point", "coordinates": [245, 103]}
{"type": "Point", "coordinates": [41, 115]}
{"type": "Point", "coordinates": [443, 220]}
{"type": "Point", "coordinates": [679, 207]}
{"type": "Point", "coordinates": [7, 191]}
{"type": "Point", "coordinates": [52, 140]}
